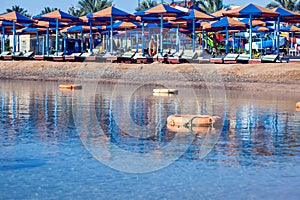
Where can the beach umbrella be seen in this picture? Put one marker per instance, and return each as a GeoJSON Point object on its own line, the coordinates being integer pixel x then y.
{"type": "Point", "coordinates": [164, 11]}
{"type": "Point", "coordinates": [146, 19]}
{"type": "Point", "coordinates": [6, 26]}
{"type": "Point", "coordinates": [125, 26]}
{"type": "Point", "coordinates": [251, 11]}
{"type": "Point", "coordinates": [228, 23]}
{"type": "Point", "coordinates": [195, 15]}
{"type": "Point", "coordinates": [254, 22]}
{"type": "Point", "coordinates": [58, 16]}
{"type": "Point", "coordinates": [78, 29]}
{"type": "Point", "coordinates": [112, 13]}
{"type": "Point", "coordinates": [47, 25]}
{"type": "Point", "coordinates": [292, 29]}
{"type": "Point", "coordinates": [285, 15]}
{"type": "Point", "coordinates": [219, 13]}
{"type": "Point", "coordinates": [35, 31]}
{"type": "Point", "coordinates": [15, 17]}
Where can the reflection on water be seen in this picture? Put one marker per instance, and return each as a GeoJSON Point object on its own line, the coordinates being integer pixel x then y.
{"type": "Point", "coordinates": [37, 133]}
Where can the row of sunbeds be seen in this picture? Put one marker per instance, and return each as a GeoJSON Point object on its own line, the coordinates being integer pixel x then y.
{"type": "Point", "coordinates": [183, 56]}
{"type": "Point", "coordinates": [232, 58]}
{"type": "Point", "coordinates": [6, 55]}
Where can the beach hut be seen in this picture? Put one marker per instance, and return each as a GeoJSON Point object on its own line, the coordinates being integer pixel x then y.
{"type": "Point", "coordinates": [111, 13]}
{"type": "Point", "coordinates": [251, 11]}
{"type": "Point", "coordinates": [58, 16]}
{"type": "Point", "coordinates": [162, 11]}
{"type": "Point", "coordinates": [15, 18]}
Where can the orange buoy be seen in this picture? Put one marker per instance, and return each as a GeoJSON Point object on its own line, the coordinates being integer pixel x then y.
{"type": "Point", "coordinates": [196, 120]}
{"type": "Point", "coordinates": [298, 105]}
{"type": "Point", "coordinates": [183, 129]}
{"type": "Point", "coordinates": [166, 91]}
{"type": "Point", "coordinates": [152, 47]}
{"type": "Point", "coordinates": [70, 87]}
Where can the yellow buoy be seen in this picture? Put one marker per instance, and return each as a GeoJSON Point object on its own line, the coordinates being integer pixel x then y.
{"type": "Point", "coordinates": [168, 91]}
{"type": "Point", "coordinates": [70, 87]}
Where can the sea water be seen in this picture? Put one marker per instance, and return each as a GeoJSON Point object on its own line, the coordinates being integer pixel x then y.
{"type": "Point", "coordinates": [48, 145]}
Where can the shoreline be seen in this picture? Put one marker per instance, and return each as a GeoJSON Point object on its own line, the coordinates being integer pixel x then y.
{"type": "Point", "coordinates": [273, 77]}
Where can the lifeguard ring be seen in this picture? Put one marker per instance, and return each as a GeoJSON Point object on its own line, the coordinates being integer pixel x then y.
{"type": "Point", "coordinates": [196, 120]}
{"type": "Point", "coordinates": [152, 47]}
{"type": "Point", "coordinates": [194, 129]}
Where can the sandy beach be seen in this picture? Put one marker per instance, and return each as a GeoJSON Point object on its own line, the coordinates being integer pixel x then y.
{"type": "Point", "coordinates": [259, 77]}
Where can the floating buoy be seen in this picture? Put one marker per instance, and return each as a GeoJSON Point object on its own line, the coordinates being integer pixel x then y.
{"type": "Point", "coordinates": [194, 120]}
{"type": "Point", "coordinates": [167, 91]}
{"type": "Point", "coordinates": [184, 129]}
{"type": "Point", "coordinates": [298, 105]}
{"type": "Point", "coordinates": [70, 87]}
{"type": "Point", "coordinates": [163, 94]}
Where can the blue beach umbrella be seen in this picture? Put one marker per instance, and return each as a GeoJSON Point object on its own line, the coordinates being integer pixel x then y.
{"type": "Point", "coordinates": [47, 25]}
{"type": "Point", "coordinates": [58, 16]}
{"type": "Point", "coordinates": [15, 17]}
{"type": "Point", "coordinates": [292, 29]}
{"type": "Point", "coordinates": [5, 26]}
{"type": "Point", "coordinates": [112, 13]}
{"type": "Point", "coordinates": [285, 15]}
{"type": "Point", "coordinates": [143, 18]}
{"type": "Point", "coordinates": [35, 31]}
{"type": "Point", "coordinates": [251, 11]}
{"type": "Point", "coordinates": [196, 15]}
{"type": "Point", "coordinates": [228, 23]}
{"type": "Point", "coordinates": [164, 11]}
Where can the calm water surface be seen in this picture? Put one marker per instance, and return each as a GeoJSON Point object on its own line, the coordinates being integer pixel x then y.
{"type": "Point", "coordinates": [255, 155]}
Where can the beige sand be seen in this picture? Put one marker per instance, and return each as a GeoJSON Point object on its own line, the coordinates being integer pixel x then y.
{"type": "Point", "coordinates": [283, 77]}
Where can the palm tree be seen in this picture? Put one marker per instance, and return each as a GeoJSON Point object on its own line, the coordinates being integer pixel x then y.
{"type": "Point", "coordinates": [288, 4]}
{"type": "Point", "coordinates": [18, 9]}
{"type": "Point", "coordinates": [48, 10]}
{"type": "Point", "coordinates": [90, 6]}
{"type": "Point", "coordinates": [146, 4]}
{"type": "Point", "coordinates": [211, 6]}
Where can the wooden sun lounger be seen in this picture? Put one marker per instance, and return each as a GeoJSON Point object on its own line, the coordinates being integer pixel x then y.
{"type": "Point", "coordinates": [39, 57]}
{"type": "Point", "coordinates": [72, 57]}
{"type": "Point", "coordinates": [269, 58]}
{"type": "Point", "coordinates": [126, 57]}
{"type": "Point", "coordinates": [25, 56]}
{"type": "Point", "coordinates": [189, 57]}
{"type": "Point", "coordinates": [139, 58]}
{"type": "Point", "coordinates": [175, 58]}
{"type": "Point", "coordinates": [3, 54]}
{"type": "Point", "coordinates": [243, 58]}
{"type": "Point", "coordinates": [230, 58]}
{"type": "Point", "coordinates": [82, 57]}
{"type": "Point", "coordinates": [58, 57]}
{"type": "Point", "coordinates": [10, 56]}
{"type": "Point", "coordinates": [217, 60]}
